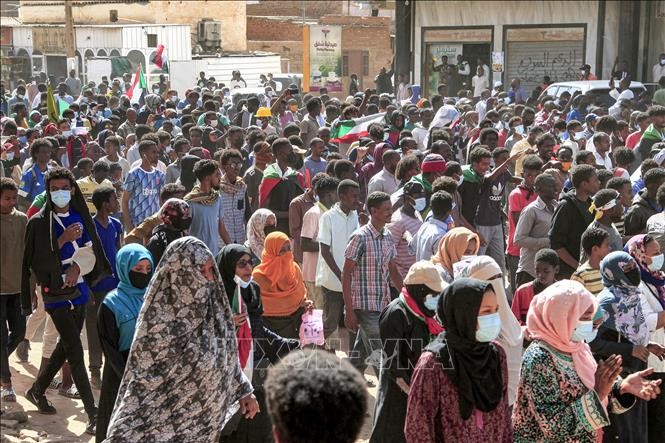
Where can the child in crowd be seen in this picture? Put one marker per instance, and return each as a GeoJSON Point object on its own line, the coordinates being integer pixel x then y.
{"type": "Point", "coordinates": [547, 267]}
{"type": "Point", "coordinates": [596, 245]}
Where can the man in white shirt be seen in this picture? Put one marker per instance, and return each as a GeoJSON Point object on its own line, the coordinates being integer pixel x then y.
{"type": "Point", "coordinates": [480, 81]}
{"type": "Point", "coordinates": [601, 141]}
{"type": "Point", "coordinates": [385, 180]}
{"type": "Point", "coordinates": [421, 130]}
{"type": "Point", "coordinates": [658, 69]}
{"type": "Point", "coordinates": [402, 88]}
{"type": "Point", "coordinates": [335, 228]}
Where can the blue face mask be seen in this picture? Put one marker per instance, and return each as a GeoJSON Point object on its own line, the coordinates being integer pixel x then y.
{"type": "Point", "coordinates": [489, 327]}
{"type": "Point", "coordinates": [431, 301]}
{"type": "Point", "coordinates": [61, 198]}
{"type": "Point", "coordinates": [584, 332]}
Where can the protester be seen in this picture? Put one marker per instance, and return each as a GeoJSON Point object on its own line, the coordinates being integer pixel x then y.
{"type": "Point", "coordinates": [546, 269]}
{"type": "Point", "coordinates": [233, 194]}
{"type": "Point", "coordinates": [596, 245]}
{"type": "Point", "coordinates": [406, 326]}
{"type": "Point", "coordinates": [116, 322]}
{"type": "Point", "coordinates": [258, 346]}
{"type": "Point", "coordinates": [185, 297]}
{"type": "Point", "coordinates": [175, 220]}
{"type": "Point", "coordinates": [74, 261]}
{"type": "Point", "coordinates": [644, 204]}
{"type": "Point", "coordinates": [458, 244]}
{"type": "Point", "coordinates": [425, 242]}
{"type": "Point", "coordinates": [12, 232]}
{"type": "Point", "coordinates": [562, 390]}
{"type": "Point", "coordinates": [282, 287]}
{"type": "Point", "coordinates": [260, 224]}
{"type": "Point", "coordinates": [307, 385]}
{"type": "Point", "coordinates": [462, 373]}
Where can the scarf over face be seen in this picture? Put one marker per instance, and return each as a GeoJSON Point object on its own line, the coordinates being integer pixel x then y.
{"type": "Point", "coordinates": [636, 247]}
{"type": "Point", "coordinates": [183, 379]}
{"type": "Point", "coordinates": [255, 230]}
{"type": "Point", "coordinates": [126, 300]}
{"type": "Point", "coordinates": [626, 305]}
{"type": "Point", "coordinates": [473, 367]}
{"type": "Point", "coordinates": [552, 318]}
{"type": "Point", "coordinates": [452, 247]}
{"type": "Point", "coordinates": [280, 278]}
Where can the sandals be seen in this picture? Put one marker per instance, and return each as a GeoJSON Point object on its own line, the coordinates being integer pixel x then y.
{"type": "Point", "coordinates": [8, 394]}
{"type": "Point", "coordinates": [56, 383]}
{"type": "Point", "coordinates": [72, 392]}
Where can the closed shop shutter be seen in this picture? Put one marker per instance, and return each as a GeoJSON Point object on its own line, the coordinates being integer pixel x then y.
{"type": "Point", "coordinates": [530, 61]}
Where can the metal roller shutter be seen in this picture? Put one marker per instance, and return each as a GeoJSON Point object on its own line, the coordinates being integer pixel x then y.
{"type": "Point", "coordinates": [530, 61]}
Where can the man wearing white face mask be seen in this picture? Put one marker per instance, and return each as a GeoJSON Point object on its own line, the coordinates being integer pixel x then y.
{"type": "Point", "coordinates": [64, 275]}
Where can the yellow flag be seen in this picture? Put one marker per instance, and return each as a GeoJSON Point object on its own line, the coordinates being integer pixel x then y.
{"type": "Point", "coordinates": [52, 110]}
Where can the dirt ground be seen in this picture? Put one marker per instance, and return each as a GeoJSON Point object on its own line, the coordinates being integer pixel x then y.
{"type": "Point", "coordinates": [68, 425]}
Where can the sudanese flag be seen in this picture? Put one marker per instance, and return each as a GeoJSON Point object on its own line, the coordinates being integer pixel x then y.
{"type": "Point", "coordinates": [161, 58]}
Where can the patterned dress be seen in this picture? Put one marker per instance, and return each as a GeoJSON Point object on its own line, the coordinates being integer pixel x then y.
{"type": "Point", "coordinates": [433, 413]}
{"type": "Point", "coordinates": [553, 405]}
{"type": "Point", "coordinates": [183, 378]}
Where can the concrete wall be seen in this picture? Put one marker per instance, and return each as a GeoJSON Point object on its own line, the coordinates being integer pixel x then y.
{"type": "Point", "coordinates": [231, 13]}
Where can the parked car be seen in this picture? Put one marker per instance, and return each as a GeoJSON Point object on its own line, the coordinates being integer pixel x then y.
{"type": "Point", "coordinates": [600, 89]}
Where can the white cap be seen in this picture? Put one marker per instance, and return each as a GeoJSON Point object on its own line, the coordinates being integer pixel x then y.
{"type": "Point", "coordinates": [498, 83]}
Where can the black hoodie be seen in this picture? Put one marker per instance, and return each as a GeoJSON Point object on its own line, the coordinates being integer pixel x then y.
{"type": "Point", "coordinates": [45, 262]}
{"type": "Point", "coordinates": [570, 220]}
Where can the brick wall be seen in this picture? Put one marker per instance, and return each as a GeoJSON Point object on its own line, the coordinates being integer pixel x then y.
{"type": "Point", "coordinates": [313, 9]}
{"type": "Point", "coordinates": [290, 51]}
{"type": "Point", "coordinates": [261, 28]}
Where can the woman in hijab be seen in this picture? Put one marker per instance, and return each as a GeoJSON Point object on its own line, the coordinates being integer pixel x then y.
{"type": "Point", "coordinates": [646, 252]}
{"type": "Point", "coordinates": [456, 245]}
{"type": "Point", "coordinates": [152, 101]}
{"type": "Point", "coordinates": [406, 327]}
{"type": "Point", "coordinates": [175, 221]}
{"type": "Point", "coordinates": [624, 332]}
{"type": "Point", "coordinates": [187, 177]}
{"type": "Point", "coordinates": [34, 118]}
{"type": "Point", "coordinates": [183, 379]}
{"type": "Point", "coordinates": [562, 391]}
{"type": "Point", "coordinates": [375, 166]}
{"type": "Point", "coordinates": [459, 388]}
{"type": "Point", "coordinates": [261, 223]}
{"type": "Point", "coordinates": [510, 338]}
{"type": "Point", "coordinates": [116, 322]}
{"type": "Point", "coordinates": [282, 288]}
{"type": "Point", "coordinates": [258, 346]}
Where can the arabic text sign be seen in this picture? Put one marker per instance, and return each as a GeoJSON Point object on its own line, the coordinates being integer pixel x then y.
{"type": "Point", "coordinates": [325, 58]}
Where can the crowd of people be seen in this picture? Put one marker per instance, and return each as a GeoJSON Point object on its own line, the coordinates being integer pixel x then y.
{"type": "Point", "coordinates": [496, 259]}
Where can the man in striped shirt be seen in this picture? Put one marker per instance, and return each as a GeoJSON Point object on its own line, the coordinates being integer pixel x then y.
{"type": "Point", "coordinates": [369, 267]}
{"type": "Point", "coordinates": [596, 245]}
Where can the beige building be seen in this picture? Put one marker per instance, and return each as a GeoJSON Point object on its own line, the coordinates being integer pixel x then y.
{"type": "Point", "coordinates": [97, 12]}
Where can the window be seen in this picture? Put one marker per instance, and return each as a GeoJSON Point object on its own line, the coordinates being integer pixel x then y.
{"type": "Point", "coordinates": [345, 65]}
{"type": "Point", "coordinates": [365, 63]}
{"type": "Point", "coordinates": [152, 40]}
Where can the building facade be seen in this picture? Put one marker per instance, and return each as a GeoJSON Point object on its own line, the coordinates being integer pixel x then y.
{"type": "Point", "coordinates": [553, 38]}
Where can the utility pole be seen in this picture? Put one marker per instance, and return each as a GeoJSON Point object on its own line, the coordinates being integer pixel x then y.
{"type": "Point", "coordinates": [70, 46]}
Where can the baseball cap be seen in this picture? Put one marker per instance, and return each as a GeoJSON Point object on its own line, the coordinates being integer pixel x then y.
{"type": "Point", "coordinates": [498, 83]}
{"type": "Point", "coordinates": [424, 272]}
{"type": "Point", "coordinates": [585, 67]}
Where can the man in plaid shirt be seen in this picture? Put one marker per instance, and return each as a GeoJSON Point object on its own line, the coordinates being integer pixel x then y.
{"type": "Point", "coordinates": [369, 267]}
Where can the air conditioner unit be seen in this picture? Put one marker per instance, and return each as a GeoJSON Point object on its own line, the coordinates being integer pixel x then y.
{"type": "Point", "coordinates": [209, 34]}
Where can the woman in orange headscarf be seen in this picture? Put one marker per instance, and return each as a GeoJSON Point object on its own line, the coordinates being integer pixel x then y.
{"type": "Point", "coordinates": [456, 245]}
{"type": "Point", "coordinates": [283, 291]}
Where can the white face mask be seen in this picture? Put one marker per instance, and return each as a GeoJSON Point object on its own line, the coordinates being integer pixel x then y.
{"type": "Point", "coordinates": [467, 257]}
{"type": "Point", "coordinates": [584, 332]}
{"type": "Point", "coordinates": [420, 204]}
{"type": "Point", "coordinates": [9, 155]}
{"type": "Point", "coordinates": [489, 327]}
{"type": "Point", "coordinates": [66, 133]}
{"type": "Point", "coordinates": [657, 262]}
{"type": "Point", "coordinates": [214, 123]}
{"type": "Point", "coordinates": [168, 149]}
{"type": "Point", "coordinates": [242, 283]}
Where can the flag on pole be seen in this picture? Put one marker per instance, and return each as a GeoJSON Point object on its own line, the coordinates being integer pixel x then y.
{"type": "Point", "coordinates": [348, 131]}
{"type": "Point", "coordinates": [161, 58]}
{"type": "Point", "coordinates": [62, 106]}
{"type": "Point", "coordinates": [52, 109]}
{"type": "Point", "coordinates": [139, 84]}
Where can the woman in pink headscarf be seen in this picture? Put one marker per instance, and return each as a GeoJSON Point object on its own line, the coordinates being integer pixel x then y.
{"type": "Point", "coordinates": [563, 393]}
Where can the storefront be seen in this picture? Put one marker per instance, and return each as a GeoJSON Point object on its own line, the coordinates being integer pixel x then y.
{"type": "Point", "coordinates": [473, 43]}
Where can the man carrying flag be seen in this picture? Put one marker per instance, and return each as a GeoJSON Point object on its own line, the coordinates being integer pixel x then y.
{"type": "Point", "coordinates": [281, 183]}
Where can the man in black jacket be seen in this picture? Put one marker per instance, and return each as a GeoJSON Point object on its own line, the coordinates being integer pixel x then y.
{"type": "Point", "coordinates": [572, 217]}
{"type": "Point", "coordinates": [63, 250]}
